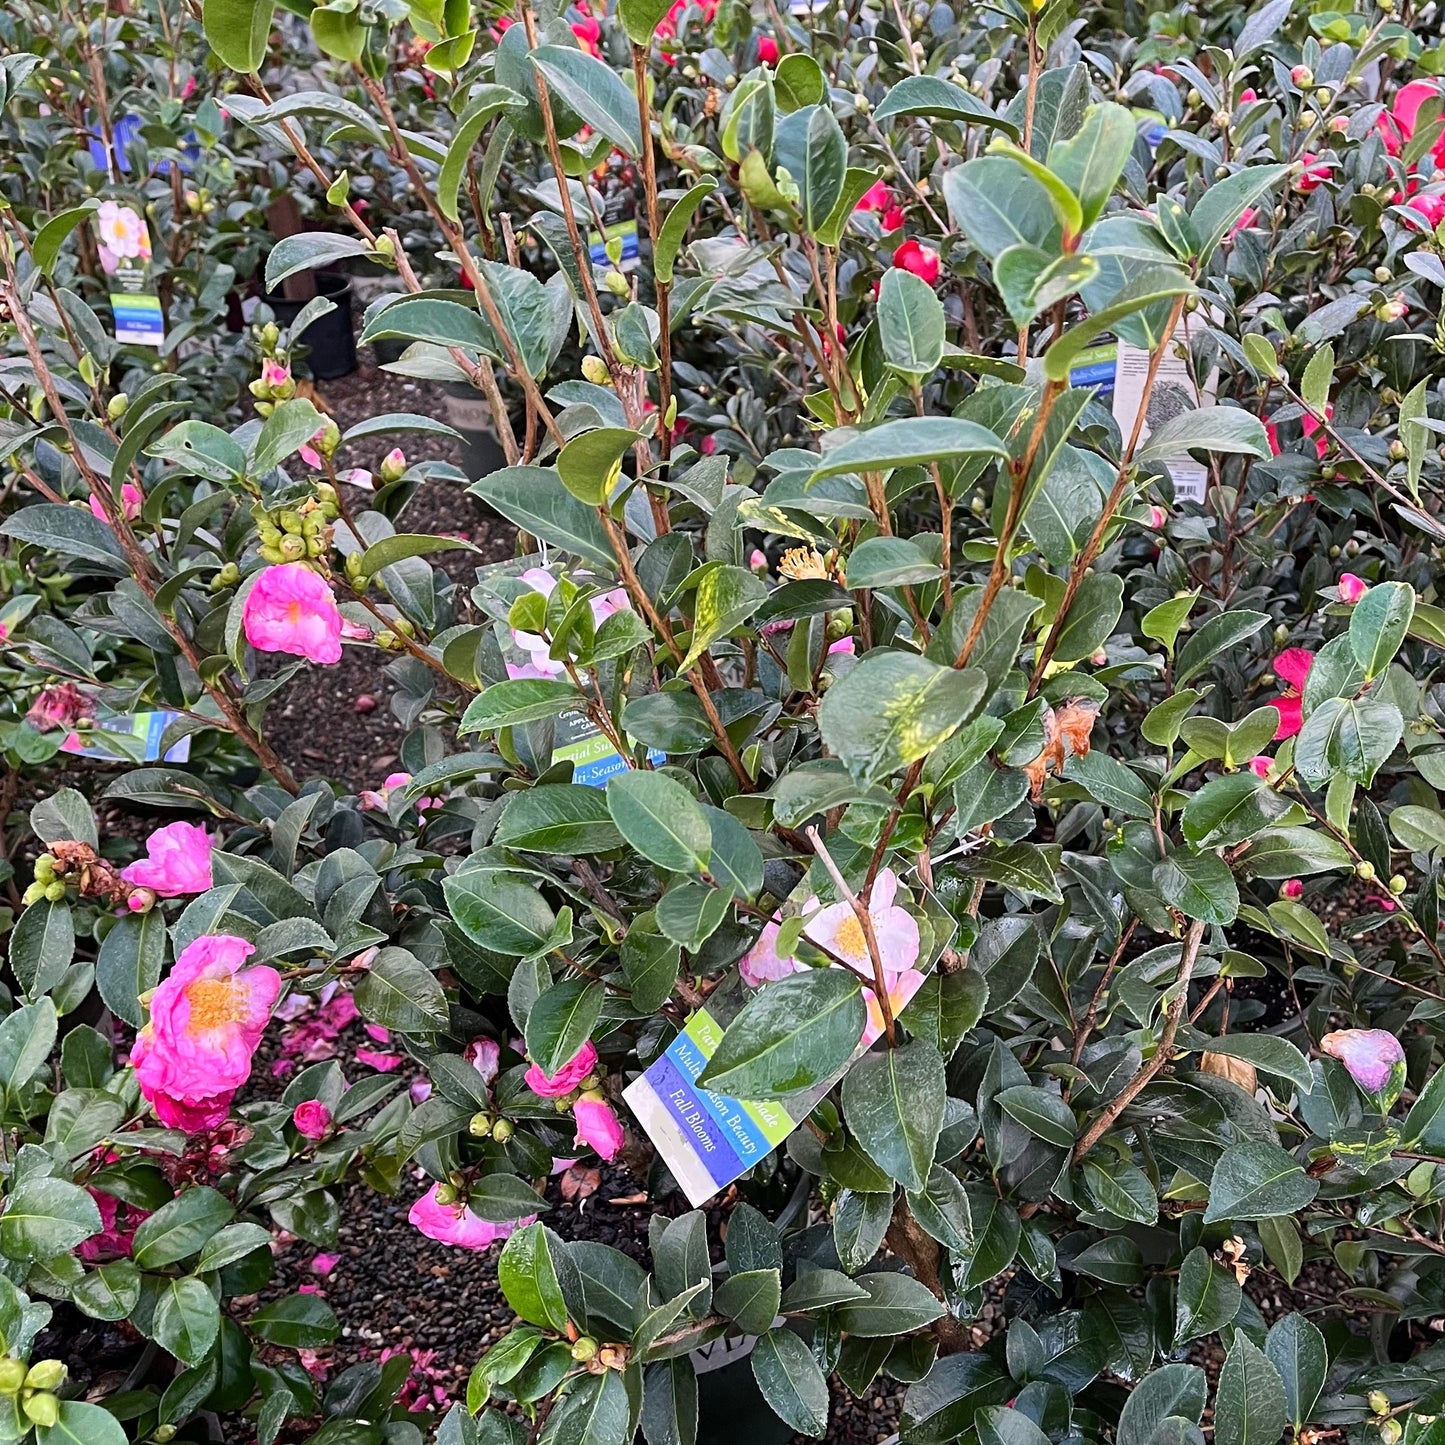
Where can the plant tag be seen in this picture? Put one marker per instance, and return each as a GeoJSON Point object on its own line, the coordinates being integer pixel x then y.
{"type": "Point", "coordinates": [578, 740]}
{"type": "Point", "coordinates": [138, 738]}
{"type": "Point", "coordinates": [125, 257]}
{"type": "Point", "coordinates": [1174, 394]}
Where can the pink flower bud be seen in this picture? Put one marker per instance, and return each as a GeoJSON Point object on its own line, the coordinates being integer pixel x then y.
{"type": "Point", "coordinates": [1260, 766]}
{"type": "Point", "coordinates": [1352, 588]}
{"type": "Point", "coordinates": [393, 464]}
{"type": "Point", "coordinates": [141, 900]}
{"type": "Point", "coordinates": [312, 1119]}
{"type": "Point", "coordinates": [1291, 888]}
{"type": "Point", "coordinates": [1158, 516]}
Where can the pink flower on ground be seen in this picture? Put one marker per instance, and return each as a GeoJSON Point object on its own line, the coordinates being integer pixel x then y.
{"type": "Point", "coordinates": [206, 1020]}
{"type": "Point", "coordinates": [761, 964]}
{"type": "Point", "coordinates": [131, 500]}
{"type": "Point", "coordinates": [310, 456]}
{"type": "Point", "coordinates": [566, 1078]}
{"type": "Point", "coordinates": [382, 1063]}
{"type": "Point", "coordinates": [598, 1126]}
{"type": "Point", "coordinates": [1292, 667]}
{"type": "Point", "coordinates": [1372, 1057]}
{"type": "Point", "coordinates": [1261, 765]}
{"type": "Point", "coordinates": [312, 1119]}
{"type": "Point", "coordinates": [1291, 888]}
{"type": "Point", "coordinates": [456, 1224]}
{"type": "Point", "coordinates": [920, 259]}
{"type": "Point", "coordinates": [177, 861]}
{"type": "Point", "coordinates": [323, 1264]}
{"type": "Point", "coordinates": [377, 1034]}
{"type": "Point", "coordinates": [290, 609]}
{"type": "Point", "coordinates": [767, 50]}
{"type": "Point", "coordinates": [1352, 588]}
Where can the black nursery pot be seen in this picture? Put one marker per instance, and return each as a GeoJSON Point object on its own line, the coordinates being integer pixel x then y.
{"type": "Point", "coordinates": [469, 412]}
{"type": "Point", "coordinates": [331, 339]}
{"type": "Point", "coordinates": [730, 1407]}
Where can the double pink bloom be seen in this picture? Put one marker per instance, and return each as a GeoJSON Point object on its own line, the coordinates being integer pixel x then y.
{"type": "Point", "coordinates": [206, 1020]}
{"type": "Point", "coordinates": [177, 861]}
{"type": "Point", "coordinates": [457, 1224]}
{"type": "Point", "coordinates": [597, 1125]}
{"type": "Point", "coordinates": [290, 609]}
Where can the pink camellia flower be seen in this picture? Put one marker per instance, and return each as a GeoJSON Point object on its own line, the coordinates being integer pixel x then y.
{"type": "Point", "coordinates": [485, 1056]}
{"type": "Point", "coordinates": [1261, 765]}
{"type": "Point", "coordinates": [206, 1020]}
{"type": "Point", "coordinates": [1247, 217]}
{"type": "Point", "coordinates": [177, 861]}
{"type": "Point", "coordinates": [597, 1126]}
{"type": "Point", "coordinates": [357, 477]}
{"type": "Point", "coordinates": [901, 988]}
{"type": "Point", "coordinates": [761, 964]}
{"type": "Point", "coordinates": [767, 50]}
{"type": "Point", "coordinates": [589, 34]}
{"type": "Point", "coordinates": [131, 499]}
{"type": "Point", "coordinates": [456, 1224]}
{"type": "Point", "coordinates": [118, 1224]}
{"type": "Point", "coordinates": [1398, 126]}
{"type": "Point", "coordinates": [1291, 888]}
{"type": "Point", "coordinates": [275, 374]}
{"type": "Point", "coordinates": [1292, 667]}
{"type": "Point", "coordinates": [1352, 588]}
{"type": "Point", "coordinates": [61, 705]}
{"type": "Point", "coordinates": [377, 1034]}
{"type": "Point", "coordinates": [312, 1119]}
{"type": "Point", "coordinates": [290, 609]}
{"type": "Point", "coordinates": [1315, 173]}
{"type": "Point", "coordinates": [1431, 207]}
{"type": "Point", "coordinates": [1247, 96]}
{"type": "Point", "coordinates": [876, 198]}
{"type": "Point", "coordinates": [920, 259]}
{"type": "Point", "coordinates": [1373, 1058]}
{"type": "Point", "coordinates": [538, 648]}
{"type": "Point", "coordinates": [566, 1078]}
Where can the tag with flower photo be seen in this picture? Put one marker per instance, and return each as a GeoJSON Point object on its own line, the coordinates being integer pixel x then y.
{"type": "Point", "coordinates": [124, 244]}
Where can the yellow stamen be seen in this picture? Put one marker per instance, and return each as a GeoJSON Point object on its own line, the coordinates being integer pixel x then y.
{"type": "Point", "coordinates": [214, 1003]}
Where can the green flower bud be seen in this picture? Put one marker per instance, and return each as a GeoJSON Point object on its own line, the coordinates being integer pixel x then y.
{"type": "Point", "coordinates": [616, 283]}
{"type": "Point", "coordinates": [290, 520]}
{"type": "Point", "coordinates": [44, 868]}
{"type": "Point", "coordinates": [480, 1126]}
{"type": "Point", "coordinates": [55, 892]}
{"type": "Point", "coordinates": [42, 1409]}
{"type": "Point", "coordinates": [1390, 1432]}
{"type": "Point", "coordinates": [270, 335]}
{"type": "Point", "coordinates": [1397, 884]}
{"type": "Point", "coordinates": [1364, 869]}
{"type": "Point", "coordinates": [292, 549]}
{"type": "Point", "coordinates": [585, 1349]}
{"type": "Point", "coordinates": [12, 1376]}
{"type": "Point", "coordinates": [46, 1375]}
{"type": "Point", "coordinates": [594, 369]}
{"type": "Point", "coordinates": [115, 408]}
{"type": "Point", "coordinates": [446, 1194]}
{"type": "Point", "coordinates": [33, 894]}
{"type": "Point", "coordinates": [502, 1130]}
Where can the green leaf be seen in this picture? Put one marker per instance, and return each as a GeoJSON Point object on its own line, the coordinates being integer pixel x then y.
{"type": "Point", "coordinates": [519, 700]}
{"type": "Point", "coordinates": [432, 319]}
{"type": "Point", "coordinates": [534, 499]}
{"type": "Point", "coordinates": [910, 324]}
{"type": "Point", "coordinates": [238, 31]}
{"type": "Point", "coordinates": [298, 1321]}
{"type": "Point", "coordinates": [791, 1382]}
{"type": "Point", "coordinates": [1232, 808]}
{"type": "Point", "coordinates": [1109, 782]}
{"type": "Point", "coordinates": [500, 911]}
{"type": "Point", "coordinates": [1212, 429]}
{"type": "Point", "coordinates": [181, 1228]}
{"type": "Point", "coordinates": [187, 1319]}
{"type": "Point", "coordinates": [997, 204]}
{"type": "Point", "coordinates": [595, 1412]}
{"type": "Point", "coordinates": [27, 1037]}
{"type": "Point", "coordinates": [1255, 1180]}
{"type": "Point", "coordinates": [1172, 1391]}
{"type": "Point", "coordinates": [558, 818]}
{"type": "Point", "coordinates": [486, 102]}
{"type": "Point", "coordinates": [82, 1424]}
{"type": "Point", "coordinates": [909, 441]}
{"type": "Point", "coordinates": [1378, 625]}
{"type": "Point", "coordinates": [791, 1035]}
{"type": "Point", "coordinates": [45, 248]}
{"type": "Point", "coordinates": [890, 562]}
{"type": "Point", "coordinates": [943, 1405]}
{"type": "Point", "coordinates": [532, 1270]}
{"type": "Point", "coordinates": [1209, 1297]}
{"type": "Point", "coordinates": [1224, 202]}
{"type": "Point", "coordinates": [1353, 736]}
{"type": "Point", "coordinates": [307, 251]}
{"type": "Point", "coordinates": [1319, 376]}
{"type": "Point", "coordinates": [726, 597]}
{"type": "Point", "coordinates": [1046, 1116]}
{"type": "Point", "coordinates": [824, 166]}
{"type": "Point", "coordinates": [1092, 618]}
{"type": "Point", "coordinates": [1199, 885]}
{"type": "Point", "coordinates": [1091, 162]}
{"type": "Point", "coordinates": [896, 1303]}
{"type": "Point", "coordinates": [894, 708]}
{"type": "Point", "coordinates": [45, 1217]}
{"type": "Point", "coordinates": [1221, 632]}
{"type": "Point", "coordinates": [1296, 1348]}
{"type": "Point", "coordinates": [750, 1299]}
{"type": "Point", "coordinates": [894, 1100]}
{"type": "Point", "coordinates": [1267, 1052]}
{"type": "Point", "coordinates": [1424, 1126]}
{"type": "Point", "coordinates": [594, 91]}
{"type": "Point", "coordinates": [289, 426]}
{"type": "Point", "coordinates": [640, 18]}
{"type": "Point", "coordinates": [590, 464]}
{"type": "Point", "coordinates": [673, 230]}
{"type": "Point", "coordinates": [1282, 1246]}
{"type": "Point", "coordinates": [1249, 1404]}
{"type": "Point", "coordinates": [561, 1021]}
{"type": "Point", "coordinates": [401, 545]}
{"type": "Point", "coordinates": [929, 95]}
{"type": "Point", "coordinates": [400, 992]}
{"type": "Point", "coordinates": [72, 532]}
{"type": "Point", "coordinates": [661, 819]}
{"type": "Point", "coordinates": [1144, 289]}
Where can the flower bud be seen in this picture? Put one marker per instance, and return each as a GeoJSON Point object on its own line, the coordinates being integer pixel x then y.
{"type": "Point", "coordinates": [1379, 1402]}
{"type": "Point", "coordinates": [447, 1194]}
{"type": "Point", "coordinates": [12, 1376]}
{"type": "Point", "coordinates": [1397, 884]}
{"type": "Point", "coordinates": [42, 1409]}
{"type": "Point", "coordinates": [616, 283]}
{"type": "Point", "coordinates": [328, 438]}
{"type": "Point", "coordinates": [46, 1375]}
{"type": "Point", "coordinates": [585, 1349]}
{"type": "Point", "coordinates": [480, 1125]}
{"type": "Point", "coordinates": [393, 465]}
{"type": "Point", "coordinates": [1302, 76]}
{"type": "Point", "coordinates": [1364, 869]}
{"type": "Point", "coordinates": [1398, 451]}
{"type": "Point", "coordinates": [502, 1130]}
{"type": "Point", "coordinates": [55, 892]}
{"type": "Point", "coordinates": [141, 900]}
{"type": "Point", "coordinates": [34, 894]}
{"type": "Point", "coordinates": [115, 408]}
{"type": "Point", "coordinates": [594, 369]}
{"type": "Point", "coordinates": [1390, 1432]}
{"type": "Point", "coordinates": [292, 549]}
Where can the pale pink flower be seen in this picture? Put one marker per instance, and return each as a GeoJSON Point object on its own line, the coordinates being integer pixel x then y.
{"type": "Point", "coordinates": [419, 1090]}
{"type": "Point", "coordinates": [837, 929]}
{"type": "Point", "coordinates": [177, 861]}
{"type": "Point", "coordinates": [566, 1078]}
{"type": "Point", "coordinates": [758, 560]}
{"type": "Point", "coordinates": [538, 648]}
{"type": "Point", "coordinates": [1158, 516]}
{"type": "Point", "coordinates": [901, 988]}
{"type": "Point", "coordinates": [61, 705]}
{"type": "Point", "coordinates": [1352, 588]}
{"type": "Point", "coordinates": [598, 1126]}
{"type": "Point", "coordinates": [761, 964]}
{"type": "Point", "coordinates": [206, 1020]}
{"type": "Point", "coordinates": [131, 500]}
{"type": "Point", "coordinates": [290, 609]}
{"type": "Point", "coordinates": [275, 373]}
{"type": "Point", "coordinates": [377, 800]}
{"type": "Point", "coordinates": [310, 456]}
{"type": "Point", "coordinates": [312, 1119]}
{"type": "Point", "coordinates": [456, 1224]}
{"type": "Point", "coordinates": [1370, 1056]}
{"type": "Point", "coordinates": [485, 1056]}
{"type": "Point", "coordinates": [357, 477]}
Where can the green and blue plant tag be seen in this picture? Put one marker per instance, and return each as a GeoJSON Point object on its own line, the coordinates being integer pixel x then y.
{"type": "Point", "coordinates": [125, 257]}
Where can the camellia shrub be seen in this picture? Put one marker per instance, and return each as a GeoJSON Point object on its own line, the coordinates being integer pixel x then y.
{"type": "Point", "coordinates": [961, 732]}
